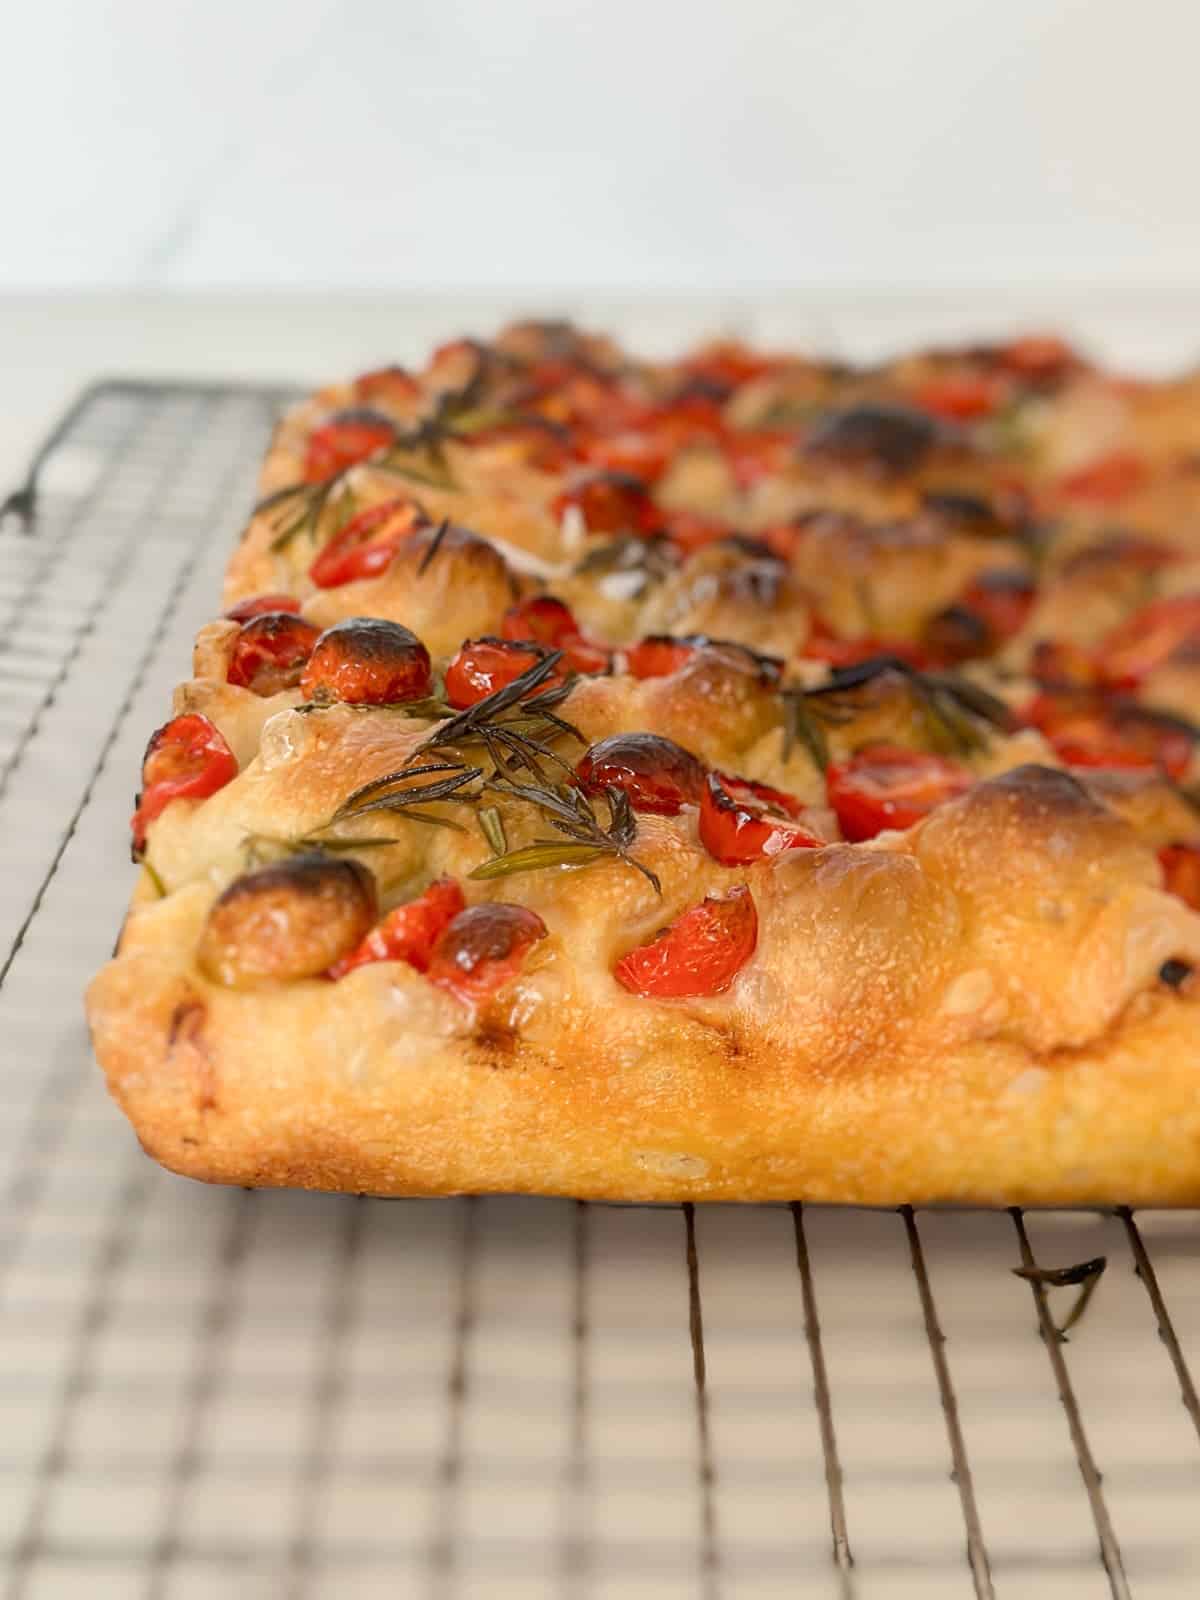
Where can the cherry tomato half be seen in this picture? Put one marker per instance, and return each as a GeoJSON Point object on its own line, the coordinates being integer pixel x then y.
{"type": "Point", "coordinates": [700, 953]}
{"type": "Point", "coordinates": [887, 786]}
{"type": "Point", "coordinates": [482, 666]}
{"type": "Point", "coordinates": [1149, 638]}
{"type": "Point", "coordinates": [270, 651]}
{"type": "Point", "coordinates": [658, 655]}
{"type": "Point", "coordinates": [741, 822]}
{"type": "Point", "coordinates": [823, 644]}
{"type": "Point", "coordinates": [1087, 731]}
{"type": "Point", "coordinates": [367, 661]}
{"type": "Point", "coordinates": [386, 386]}
{"type": "Point", "coordinates": [1038, 357]}
{"type": "Point", "coordinates": [1106, 480]}
{"type": "Point", "coordinates": [187, 758]}
{"type": "Point", "coordinates": [959, 396]}
{"type": "Point", "coordinates": [409, 932]}
{"type": "Point", "coordinates": [610, 502]}
{"type": "Point", "coordinates": [1181, 870]}
{"type": "Point", "coordinates": [658, 775]}
{"type": "Point", "coordinates": [344, 440]}
{"type": "Point", "coordinates": [365, 546]}
{"type": "Point", "coordinates": [484, 948]}
{"type": "Point", "coordinates": [552, 623]}
{"type": "Point", "coordinates": [257, 604]}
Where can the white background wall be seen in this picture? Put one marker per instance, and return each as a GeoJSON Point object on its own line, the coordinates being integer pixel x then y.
{"type": "Point", "coordinates": [627, 143]}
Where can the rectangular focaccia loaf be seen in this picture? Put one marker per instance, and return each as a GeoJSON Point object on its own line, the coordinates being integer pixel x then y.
{"type": "Point", "coordinates": [746, 777]}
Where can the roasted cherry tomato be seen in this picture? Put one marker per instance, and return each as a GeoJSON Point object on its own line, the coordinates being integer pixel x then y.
{"type": "Point", "coordinates": [757, 453]}
{"type": "Point", "coordinates": [658, 655]}
{"type": "Point", "coordinates": [631, 451]}
{"type": "Point", "coordinates": [187, 759]}
{"type": "Point", "coordinates": [886, 786]}
{"type": "Point", "coordinates": [823, 644]}
{"type": "Point", "coordinates": [1038, 358]}
{"type": "Point", "coordinates": [700, 953]}
{"type": "Point", "coordinates": [552, 623]}
{"type": "Point", "coordinates": [727, 364]}
{"type": "Point", "coordinates": [609, 502]}
{"type": "Point", "coordinates": [365, 546]}
{"type": "Point", "coordinates": [366, 661]}
{"type": "Point", "coordinates": [1106, 480]}
{"type": "Point", "coordinates": [484, 665]}
{"type": "Point", "coordinates": [1149, 638]}
{"type": "Point", "coordinates": [1087, 731]}
{"type": "Point", "coordinates": [484, 948]}
{"type": "Point", "coordinates": [386, 386]}
{"type": "Point", "coordinates": [1059, 664]}
{"type": "Point", "coordinates": [257, 604]}
{"type": "Point", "coordinates": [347, 438]}
{"type": "Point", "coordinates": [959, 396]}
{"type": "Point", "coordinates": [1002, 598]}
{"type": "Point", "coordinates": [994, 606]}
{"type": "Point", "coordinates": [741, 822]}
{"type": "Point", "coordinates": [270, 651]}
{"type": "Point", "coordinates": [538, 442]}
{"type": "Point", "coordinates": [658, 775]}
{"type": "Point", "coordinates": [1181, 870]}
{"type": "Point", "coordinates": [409, 932]}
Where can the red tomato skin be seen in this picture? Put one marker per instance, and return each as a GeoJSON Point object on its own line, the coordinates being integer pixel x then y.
{"type": "Point", "coordinates": [1181, 870]}
{"type": "Point", "coordinates": [270, 651]}
{"type": "Point", "coordinates": [737, 827]}
{"type": "Point", "coordinates": [484, 948]}
{"type": "Point", "coordinates": [258, 604]}
{"type": "Point", "coordinates": [367, 661]}
{"type": "Point", "coordinates": [386, 386]}
{"type": "Point", "coordinates": [1106, 480]}
{"type": "Point", "coordinates": [610, 502]}
{"type": "Point", "coordinates": [1002, 600]}
{"type": "Point", "coordinates": [1038, 357]}
{"type": "Point", "coordinates": [659, 776]}
{"type": "Point", "coordinates": [823, 644]}
{"type": "Point", "coordinates": [409, 932]}
{"type": "Point", "coordinates": [658, 655]}
{"type": "Point", "coordinates": [342, 443]}
{"type": "Point", "coordinates": [959, 397]}
{"type": "Point", "coordinates": [699, 954]}
{"type": "Point", "coordinates": [484, 665]}
{"type": "Point", "coordinates": [366, 545]}
{"type": "Point", "coordinates": [1085, 731]}
{"type": "Point", "coordinates": [542, 618]}
{"type": "Point", "coordinates": [187, 758]}
{"type": "Point", "coordinates": [1059, 664]}
{"type": "Point", "coordinates": [887, 786]}
{"type": "Point", "coordinates": [1149, 638]}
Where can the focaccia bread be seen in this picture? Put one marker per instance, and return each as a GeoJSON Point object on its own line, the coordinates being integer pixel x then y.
{"type": "Point", "coordinates": [745, 778]}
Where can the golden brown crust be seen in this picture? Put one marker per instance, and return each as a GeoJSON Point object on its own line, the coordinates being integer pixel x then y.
{"type": "Point", "coordinates": [970, 1011]}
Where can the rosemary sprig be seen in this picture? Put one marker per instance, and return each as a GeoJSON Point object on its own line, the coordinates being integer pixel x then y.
{"type": "Point", "coordinates": [303, 505]}
{"type": "Point", "coordinates": [435, 544]}
{"type": "Point", "coordinates": [800, 726]}
{"type": "Point", "coordinates": [253, 844]}
{"type": "Point", "coordinates": [954, 708]}
{"type": "Point", "coordinates": [491, 825]}
{"type": "Point", "coordinates": [572, 815]}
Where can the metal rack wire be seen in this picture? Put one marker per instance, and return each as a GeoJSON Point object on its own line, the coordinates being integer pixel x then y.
{"type": "Point", "coordinates": [213, 1393]}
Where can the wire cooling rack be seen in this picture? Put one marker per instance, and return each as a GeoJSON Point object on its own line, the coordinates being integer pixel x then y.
{"type": "Point", "coordinates": [220, 1393]}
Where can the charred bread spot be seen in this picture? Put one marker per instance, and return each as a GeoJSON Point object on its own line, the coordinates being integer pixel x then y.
{"type": "Point", "coordinates": [452, 545]}
{"type": "Point", "coordinates": [289, 920]}
{"type": "Point", "coordinates": [891, 439]}
{"type": "Point", "coordinates": [1176, 974]}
